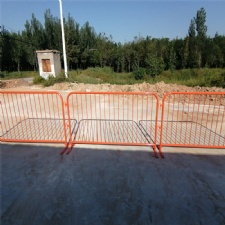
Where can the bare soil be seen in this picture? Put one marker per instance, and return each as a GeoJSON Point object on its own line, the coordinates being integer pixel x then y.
{"type": "Point", "coordinates": [159, 88]}
{"type": "Point", "coordinates": [13, 83]}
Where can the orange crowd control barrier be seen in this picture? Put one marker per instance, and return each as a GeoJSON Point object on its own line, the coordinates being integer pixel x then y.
{"type": "Point", "coordinates": [32, 117]}
{"type": "Point", "coordinates": [188, 119]}
{"type": "Point", "coordinates": [113, 118]}
{"type": "Point", "coordinates": [193, 120]}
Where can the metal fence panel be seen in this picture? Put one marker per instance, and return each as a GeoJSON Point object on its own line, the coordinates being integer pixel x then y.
{"type": "Point", "coordinates": [32, 117]}
{"type": "Point", "coordinates": [115, 118]}
{"type": "Point", "coordinates": [192, 119]}
{"type": "Point", "coordinates": [189, 119]}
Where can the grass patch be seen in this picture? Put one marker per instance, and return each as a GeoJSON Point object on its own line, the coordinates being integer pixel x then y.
{"type": "Point", "coordinates": [50, 81]}
{"type": "Point", "coordinates": [195, 77]}
{"type": "Point", "coordinates": [190, 77]}
{"type": "Point", "coordinates": [104, 75]}
{"type": "Point", "coordinates": [15, 75]}
{"type": "Point", "coordinates": [100, 76]}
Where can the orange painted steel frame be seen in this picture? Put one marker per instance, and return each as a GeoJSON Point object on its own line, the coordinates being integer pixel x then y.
{"type": "Point", "coordinates": [33, 117]}
{"type": "Point", "coordinates": [108, 109]}
{"type": "Point", "coordinates": [190, 119]}
{"type": "Point", "coordinates": [187, 122]}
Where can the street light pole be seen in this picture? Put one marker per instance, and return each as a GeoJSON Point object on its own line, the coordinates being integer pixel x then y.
{"type": "Point", "coordinates": [63, 39]}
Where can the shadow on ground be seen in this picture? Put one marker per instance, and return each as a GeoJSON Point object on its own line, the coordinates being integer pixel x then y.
{"type": "Point", "coordinates": [108, 185]}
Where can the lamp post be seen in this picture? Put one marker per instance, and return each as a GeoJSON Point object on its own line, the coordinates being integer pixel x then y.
{"type": "Point", "coordinates": [63, 39]}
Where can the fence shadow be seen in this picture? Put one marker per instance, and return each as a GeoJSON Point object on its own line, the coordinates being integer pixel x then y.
{"type": "Point", "coordinates": [110, 131]}
{"type": "Point", "coordinates": [190, 132]}
{"type": "Point", "coordinates": [111, 185]}
{"type": "Point", "coordinates": [39, 129]}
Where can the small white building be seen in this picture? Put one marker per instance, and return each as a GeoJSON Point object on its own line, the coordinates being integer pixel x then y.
{"type": "Point", "coordinates": [49, 63]}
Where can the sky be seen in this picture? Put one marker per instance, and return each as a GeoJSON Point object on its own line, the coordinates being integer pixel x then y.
{"type": "Point", "coordinates": [123, 19]}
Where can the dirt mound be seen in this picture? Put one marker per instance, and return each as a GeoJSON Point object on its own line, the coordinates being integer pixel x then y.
{"type": "Point", "coordinates": [2, 84]}
{"type": "Point", "coordinates": [13, 83]}
{"type": "Point", "coordinates": [159, 88]}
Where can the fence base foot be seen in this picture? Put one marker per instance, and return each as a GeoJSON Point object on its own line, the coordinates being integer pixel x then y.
{"type": "Point", "coordinates": [162, 155]}
{"type": "Point", "coordinates": [65, 149]}
{"type": "Point", "coordinates": [160, 151]}
{"type": "Point", "coordinates": [155, 153]}
{"type": "Point", "coordinates": [70, 150]}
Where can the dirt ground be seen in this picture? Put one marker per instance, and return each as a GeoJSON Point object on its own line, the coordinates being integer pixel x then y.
{"type": "Point", "coordinates": [159, 88]}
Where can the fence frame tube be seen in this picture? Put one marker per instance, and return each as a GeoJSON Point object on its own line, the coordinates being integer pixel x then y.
{"type": "Point", "coordinates": [63, 141]}
{"type": "Point", "coordinates": [73, 143]}
{"type": "Point", "coordinates": [162, 122]}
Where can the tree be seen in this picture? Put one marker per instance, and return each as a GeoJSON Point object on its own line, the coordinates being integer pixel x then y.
{"type": "Point", "coordinates": [53, 38]}
{"type": "Point", "coordinates": [87, 41]}
{"type": "Point", "coordinates": [172, 58]}
{"type": "Point", "coordinates": [17, 51]}
{"type": "Point", "coordinates": [72, 42]}
{"type": "Point", "coordinates": [201, 29]}
{"type": "Point", "coordinates": [155, 64]}
{"type": "Point", "coordinates": [192, 59]}
{"type": "Point", "coordinates": [128, 56]}
{"type": "Point", "coordinates": [191, 30]}
{"type": "Point", "coordinates": [6, 50]}
{"type": "Point", "coordinates": [101, 44]}
{"type": "Point", "coordinates": [219, 41]}
{"type": "Point", "coordinates": [185, 52]}
{"type": "Point", "coordinates": [196, 41]}
{"type": "Point", "coordinates": [200, 20]}
{"type": "Point", "coordinates": [119, 58]}
{"type": "Point", "coordinates": [85, 48]}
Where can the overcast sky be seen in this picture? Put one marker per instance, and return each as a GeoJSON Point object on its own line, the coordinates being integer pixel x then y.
{"type": "Point", "coordinates": [122, 19]}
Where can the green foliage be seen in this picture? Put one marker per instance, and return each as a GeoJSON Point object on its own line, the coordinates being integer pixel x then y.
{"type": "Point", "coordinates": [139, 74]}
{"type": "Point", "coordinates": [155, 64]}
{"type": "Point", "coordinates": [38, 80]}
{"type": "Point", "coordinates": [190, 77]}
{"type": "Point", "coordinates": [195, 77]}
{"type": "Point", "coordinates": [15, 75]}
{"type": "Point", "coordinates": [200, 20]}
{"type": "Point", "coordinates": [172, 58]}
{"type": "Point", "coordinates": [1, 75]}
{"type": "Point", "coordinates": [215, 79]}
{"type": "Point", "coordinates": [191, 30]}
{"type": "Point", "coordinates": [86, 49]}
{"type": "Point", "coordinates": [75, 77]}
{"type": "Point", "coordinates": [101, 75]}
{"type": "Point", "coordinates": [223, 80]}
{"type": "Point", "coordinates": [50, 81]}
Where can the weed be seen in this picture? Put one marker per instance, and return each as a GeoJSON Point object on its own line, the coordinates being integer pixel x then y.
{"type": "Point", "coordinates": [38, 80]}
{"type": "Point", "coordinates": [190, 77]}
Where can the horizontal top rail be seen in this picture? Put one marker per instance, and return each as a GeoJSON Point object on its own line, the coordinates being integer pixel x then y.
{"type": "Point", "coordinates": [28, 92]}
{"type": "Point", "coordinates": [32, 93]}
{"type": "Point", "coordinates": [113, 93]}
{"type": "Point", "coordinates": [194, 93]}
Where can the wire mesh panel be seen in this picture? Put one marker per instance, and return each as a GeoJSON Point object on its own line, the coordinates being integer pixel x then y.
{"type": "Point", "coordinates": [193, 120]}
{"type": "Point", "coordinates": [112, 118]}
{"type": "Point", "coordinates": [32, 117]}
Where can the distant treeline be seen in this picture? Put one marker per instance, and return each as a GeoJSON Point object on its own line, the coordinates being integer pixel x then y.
{"type": "Point", "coordinates": [85, 48]}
